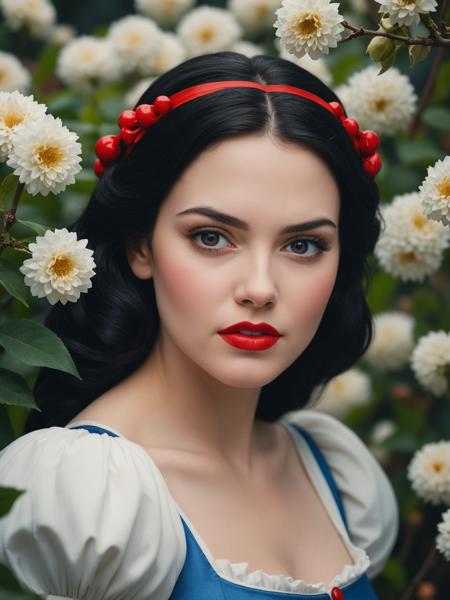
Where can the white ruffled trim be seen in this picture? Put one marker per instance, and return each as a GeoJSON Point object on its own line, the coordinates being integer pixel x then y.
{"type": "Point", "coordinates": [237, 572]}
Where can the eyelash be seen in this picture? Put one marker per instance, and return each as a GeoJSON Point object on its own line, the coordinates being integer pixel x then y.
{"type": "Point", "coordinates": [320, 243]}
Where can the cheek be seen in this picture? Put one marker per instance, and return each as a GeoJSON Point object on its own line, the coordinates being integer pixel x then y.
{"type": "Point", "coordinates": [313, 297]}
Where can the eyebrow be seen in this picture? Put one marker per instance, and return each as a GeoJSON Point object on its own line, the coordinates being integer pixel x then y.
{"type": "Point", "coordinates": [207, 211]}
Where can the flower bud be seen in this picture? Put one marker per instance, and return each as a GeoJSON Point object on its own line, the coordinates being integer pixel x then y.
{"type": "Point", "coordinates": [417, 53]}
{"type": "Point", "coordinates": [387, 25]}
{"type": "Point", "coordinates": [380, 48]}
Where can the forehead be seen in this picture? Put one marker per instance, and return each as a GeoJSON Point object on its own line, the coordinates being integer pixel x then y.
{"type": "Point", "coordinates": [257, 174]}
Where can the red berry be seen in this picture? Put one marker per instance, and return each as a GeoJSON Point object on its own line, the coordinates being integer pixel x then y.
{"type": "Point", "coordinates": [372, 164]}
{"type": "Point", "coordinates": [368, 141]}
{"type": "Point", "coordinates": [99, 167]}
{"type": "Point", "coordinates": [108, 148]}
{"type": "Point", "coordinates": [336, 594]}
{"type": "Point", "coordinates": [337, 109]}
{"type": "Point", "coordinates": [127, 118]}
{"type": "Point", "coordinates": [128, 135]}
{"type": "Point", "coordinates": [146, 114]}
{"type": "Point", "coordinates": [351, 126]}
{"type": "Point", "coordinates": [163, 105]}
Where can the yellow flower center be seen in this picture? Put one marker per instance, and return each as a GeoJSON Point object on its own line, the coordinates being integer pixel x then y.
{"type": "Point", "coordinates": [168, 6]}
{"type": "Point", "coordinates": [86, 56]}
{"type": "Point", "coordinates": [2, 75]}
{"type": "Point", "coordinates": [12, 119]}
{"type": "Point", "coordinates": [407, 257]}
{"type": "Point", "coordinates": [437, 466]}
{"type": "Point", "coordinates": [49, 156]}
{"type": "Point", "coordinates": [309, 24]}
{"type": "Point", "coordinates": [206, 34]}
{"type": "Point", "coordinates": [380, 104]}
{"type": "Point", "coordinates": [133, 39]}
{"type": "Point", "coordinates": [419, 221]}
{"type": "Point", "coordinates": [406, 2]}
{"type": "Point", "coordinates": [62, 265]}
{"type": "Point", "coordinates": [443, 187]}
{"type": "Point", "coordinates": [261, 10]}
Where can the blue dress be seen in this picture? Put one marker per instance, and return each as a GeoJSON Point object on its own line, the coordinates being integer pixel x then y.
{"type": "Point", "coordinates": [199, 581]}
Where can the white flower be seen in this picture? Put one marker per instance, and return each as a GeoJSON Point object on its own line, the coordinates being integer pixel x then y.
{"type": "Point", "coordinates": [60, 267]}
{"type": "Point", "coordinates": [392, 342]}
{"type": "Point", "coordinates": [406, 12]}
{"type": "Point", "coordinates": [317, 67]}
{"type": "Point", "coordinates": [61, 34]}
{"type": "Point", "coordinates": [344, 392]}
{"type": "Point", "coordinates": [45, 155]}
{"type": "Point", "coordinates": [435, 192]}
{"type": "Point", "coordinates": [208, 29]}
{"type": "Point", "coordinates": [410, 246]}
{"type": "Point", "coordinates": [13, 75]}
{"type": "Point", "coordinates": [308, 26]}
{"type": "Point", "coordinates": [135, 39]}
{"type": "Point", "coordinates": [164, 12]}
{"type": "Point", "coordinates": [37, 15]}
{"type": "Point", "coordinates": [382, 430]}
{"type": "Point", "coordinates": [171, 53]}
{"type": "Point", "coordinates": [429, 472]}
{"type": "Point", "coordinates": [132, 97]}
{"type": "Point", "coordinates": [15, 110]}
{"type": "Point", "coordinates": [254, 15]}
{"type": "Point", "coordinates": [87, 61]}
{"type": "Point", "coordinates": [383, 102]}
{"type": "Point", "coordinates": [248, 49]}
{"type": "Point", "coordinates": [430, 361]}
{"type": "Point", "coordinates": [443, 537]}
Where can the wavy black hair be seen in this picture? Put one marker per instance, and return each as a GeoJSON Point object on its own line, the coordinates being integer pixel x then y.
{"type": "Point", "coordinates": [112, 328]}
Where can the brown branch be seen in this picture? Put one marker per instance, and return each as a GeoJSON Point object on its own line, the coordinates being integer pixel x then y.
{"type": "Point", "coordinates": [9, 218]}
{"type": "Point", "coordinates": [426, 92]}
{"type": "Point", "coordinates": [434, 40]}
{"type": "Point", "coordinates": [426, 566]}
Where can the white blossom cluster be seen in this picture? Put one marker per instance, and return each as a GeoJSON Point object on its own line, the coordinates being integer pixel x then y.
{"type": "Point", "coordinates": [343, 393]}
{"type": "Point", "coordinates": [13, 75]}
{"type": "Point", "coordinates": [435, 192]}
{"type": "Point", "coordinates": [430, 361]}
{"type": "Point", "coordinates": [443, 537]}
{"type": "Point", "coordinates": [429, 472]}
{"type": "Point", "coordinates": [392, 342]}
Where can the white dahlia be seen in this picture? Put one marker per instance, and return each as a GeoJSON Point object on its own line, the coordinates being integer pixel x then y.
{"type": "Point", "coordinates": [254, 15]}
{"type": "Point", "coordinates": [317, 67]}
{"type": "Point", "coordinates": [164, 12]}
{"type": "Point", "coordinates": [406, 12]}
{"type": "Point", "coordinates": [308, 26]}
{"type": "Point", "coordinates": [171, 53]}
{"type": "Point", "coordinates": [435, 191]}
{"type": "Point", "coordinates": [344, 392]}
{"type": "Point", "coordinates": [86, 62]}
{"type": "Point", "coordinates": [45, 155]}
{"type": "Point", "coordinates": [383, 102]}
{"type": "Point", "coordinates": [60, 267]}
{"type": "Point", "coordinates": [208, 29]}
{"type": "Point", "coordinates": [133, 95]}
{"type": "Point", "coordinates": [37, 15]}
{"type": "Point", "coordinates": [430, 361]}
{"type": "Point", "coordinates": [392, 342]}
{"type": "Point", "coordinates": [410, 246]}
{"type": "Point", "coordinates": [443, 537]}
{"type": "Point", "coordinates": [13, 76]}
{"type": "Point", "coordinates": [247, 48]}
{"type": "Point", "coordinates": [60, 35]}
{"type": "Point", "coordinates": [135, 39]}
{"type": "Point", "coordinates": [15, 110]}
{"type": "Point", "coordinates": [429, 472]}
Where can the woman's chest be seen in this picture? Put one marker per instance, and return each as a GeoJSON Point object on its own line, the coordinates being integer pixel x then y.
{"type": "Point", "coordinates": [277, 523]}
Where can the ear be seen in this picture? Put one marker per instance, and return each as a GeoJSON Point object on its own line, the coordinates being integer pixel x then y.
{"type": "Point", "coordinates": [140, 259]}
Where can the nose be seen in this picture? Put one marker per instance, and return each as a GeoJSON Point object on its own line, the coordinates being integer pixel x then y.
{"type": "Point", "coordinates": [256, 285]}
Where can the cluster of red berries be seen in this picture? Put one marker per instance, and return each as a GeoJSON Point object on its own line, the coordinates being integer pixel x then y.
{"type": "Point", "coordinates": [133, 124]}
{"type": "Point", "coordinates": [365, 142]}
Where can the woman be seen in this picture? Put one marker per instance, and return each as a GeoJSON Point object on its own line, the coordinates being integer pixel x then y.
{"type": "Point", "coordinates": [184, 465]}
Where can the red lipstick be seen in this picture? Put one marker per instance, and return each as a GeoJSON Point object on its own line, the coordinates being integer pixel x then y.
{"type": "Point", "coordinates": [250, 336]}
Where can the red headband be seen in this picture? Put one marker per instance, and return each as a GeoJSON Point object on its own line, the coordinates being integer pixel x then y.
{"type": "Point", "coordinates": [134, 123]}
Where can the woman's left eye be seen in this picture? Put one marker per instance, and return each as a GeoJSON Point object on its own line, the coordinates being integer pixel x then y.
{"type": "Point", "coordinates": [213, 233]}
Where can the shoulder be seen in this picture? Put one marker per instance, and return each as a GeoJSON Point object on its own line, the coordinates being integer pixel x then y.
{"type": "Point", "coordinates": [89, 499]}
{"type": "Point", "coordinates": [367, 494]}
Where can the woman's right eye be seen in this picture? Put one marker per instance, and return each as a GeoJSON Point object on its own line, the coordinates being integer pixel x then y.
{"type": "Point", "coordinates": [207, 236]}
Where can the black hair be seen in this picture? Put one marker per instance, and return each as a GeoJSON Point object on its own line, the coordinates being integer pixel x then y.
{"type": "Point", "coordinates": [112, 328]}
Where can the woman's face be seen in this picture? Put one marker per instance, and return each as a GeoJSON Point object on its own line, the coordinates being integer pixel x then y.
{"type": "Point", "coordinates": [209, 275]}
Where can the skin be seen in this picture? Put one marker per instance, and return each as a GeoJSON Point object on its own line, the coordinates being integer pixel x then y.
{"type": "Point", "coordinates": [195, 389]}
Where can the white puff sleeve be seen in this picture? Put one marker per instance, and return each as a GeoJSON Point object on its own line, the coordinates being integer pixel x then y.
{"type": "Point", "coordinates": [96, 521]}
{"type": "Point", "coordinates": [369, 501]}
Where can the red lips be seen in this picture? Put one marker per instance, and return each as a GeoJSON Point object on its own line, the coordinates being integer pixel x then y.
{"type": "Point", "coordinates": [247, 326]}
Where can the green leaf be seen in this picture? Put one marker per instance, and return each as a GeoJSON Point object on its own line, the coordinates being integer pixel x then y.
{"type": "Point", "coordinates": [7, 498]}
{"type": "Point", "coordinates": [34, 344]}
{"type": "Point", "coordinates": [395, 573]}
{"type": "Point", "coordinates": [10, 588]}
{"type": "Point", "coordinates": [7, 186]}
{"type": "Point", "coordinates": [7, 434]}
{"type": "Point", "coordinates": [437, 117]}
{"type": "Point", "coordinates": [37, 227]}
{"type": "Point", "coordinates": [14, 390]}
{"type": "Point", "coordinates": [401, 441]}
{"type": "Point", "coordinates": [381, 291]}
{"type": "Point", "coordinates": [46, 64]}
{"type": "Point", "coordinates": [111, 107]}
{"type": "Point", "coordinates": [418, 151]}
{"type": "Point", "coordinates": [12, 280]}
